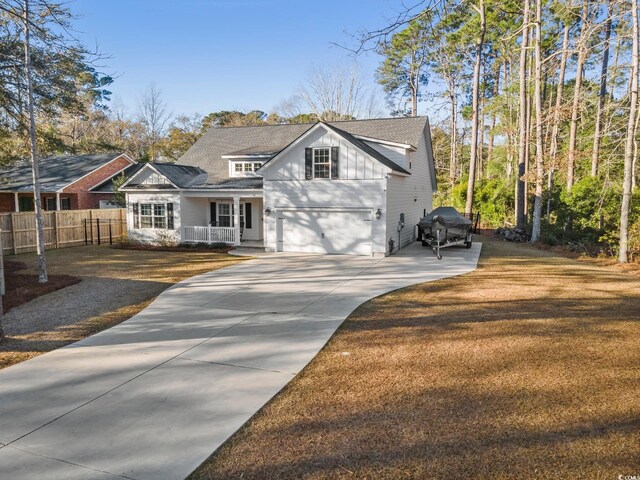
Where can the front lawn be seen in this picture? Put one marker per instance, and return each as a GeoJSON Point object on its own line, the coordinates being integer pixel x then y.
{"type": "Point", "coordinates": [528, 367]}
{"type": "Point", "coordinates": [115, 284]}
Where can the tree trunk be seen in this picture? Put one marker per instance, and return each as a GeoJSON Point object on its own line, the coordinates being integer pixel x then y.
{"type": "Point", "coordinates": [553, 150]}
{"type": "Point", "coordinates": [602, 94]}
{"type": "Point", "coordinates": [35, 171]}
{"type": "Point", "coordinates": [492, 124]}
{"type": "Point", "coordinates": [628, 150]}
{"type": "Point", "coordinates": [454, 144]}
{"type": "Point", "coordinates": [475, 104]}
{"type": "Point", "coordinates": [521, 218]}
{"type": "Point", "coordinates": [573, 127]}
{"type": "Point", "coordinates": [537, 206]}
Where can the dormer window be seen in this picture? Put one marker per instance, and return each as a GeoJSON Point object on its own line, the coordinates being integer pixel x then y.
{"type": "Point", "coordinates": [244, 168]}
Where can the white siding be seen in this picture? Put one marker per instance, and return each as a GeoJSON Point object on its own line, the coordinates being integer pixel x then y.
{"type": "Point", "coordinates": [354, 165]}
{"type": "Point", "coordinates": [410, 195]}
{"type": "Point", "coordinates": [195, 211]}
{"type": "Point", "coordinates": [149, 234]}
{"type": "Point", "coordinates": [398, 155]}
{"type": "Point", "coordinates": [149, 176]}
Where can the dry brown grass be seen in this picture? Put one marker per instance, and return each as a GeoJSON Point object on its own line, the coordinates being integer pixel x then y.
{"type": "Point", "coordinates": [528, 367]}
{"type": "Point", "coordinates": [142, 275]}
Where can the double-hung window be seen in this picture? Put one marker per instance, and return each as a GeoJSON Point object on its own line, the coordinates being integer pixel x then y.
{"type": "Point", "coordinates": [153, 215]}
{"type": "Point", "coordinates": [225, 215]}
{"type": "Point", "coordinates": [322, 162]}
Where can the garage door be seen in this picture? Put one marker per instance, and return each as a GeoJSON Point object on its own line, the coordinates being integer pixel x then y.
{"type": "Point", "coordinates": [346, 233]}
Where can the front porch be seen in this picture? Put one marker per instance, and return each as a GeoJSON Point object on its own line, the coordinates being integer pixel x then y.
{"type": "Point", "coordinates": [233, 219]}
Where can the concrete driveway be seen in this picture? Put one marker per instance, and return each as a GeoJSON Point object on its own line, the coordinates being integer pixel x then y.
{"type": "Point", "coordinates": [153, 397]}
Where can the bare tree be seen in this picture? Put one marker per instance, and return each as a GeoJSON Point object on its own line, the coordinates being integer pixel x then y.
{"type": "Point", "coordinates": [521, 216]}
{"type": "Point", "coordinates": [628, 149]}
{"type": "Point", "coordinates": [537, 206]}
{"type": "Point", "coordinates": [577, 90]}
{"type": "Point", "coordinates": [336, 93]}
{"type": "Point", "coordinates": [155, 117]}
{"type": "Point", "coordinates": [555, 127]}
{"type": "Point", "coordinates": [602, 93]}
{"type": "Point", "coordinates": [476, 106]}
{"type": "Point", "coordinates": [43, 276]}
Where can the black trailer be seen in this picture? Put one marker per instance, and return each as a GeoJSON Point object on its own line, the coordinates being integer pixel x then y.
{"type": "Point", "coordinates": [445, 227]}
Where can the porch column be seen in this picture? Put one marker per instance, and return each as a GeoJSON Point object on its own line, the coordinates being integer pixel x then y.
{"type": "Point", "coordinates": [16, 202]}
{"type": "Point", "coordinates": [236, 218]}
{"type": "Point", "coordinates": [57, 200]}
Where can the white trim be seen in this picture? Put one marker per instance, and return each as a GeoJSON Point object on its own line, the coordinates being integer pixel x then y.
{"type": "Point", "coordinates": [249, 156]}
{"type": "Point", "coordinates": [148, 165]}
{"type": "Point", "coordinates": [92, 171]}
{"type": "Point", "coordinates": [16, 201]}
{"type": "Point", "coordinates": [385, 142]}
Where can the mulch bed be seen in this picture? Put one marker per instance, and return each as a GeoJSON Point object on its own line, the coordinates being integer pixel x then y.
{"type": "Point", "coordinates": [178, 248]}
{"type": "Point", "coordinates": [24, 287]}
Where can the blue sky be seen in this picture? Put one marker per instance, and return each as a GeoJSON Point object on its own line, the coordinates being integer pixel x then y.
{"type": "Point", "coordinates": [209, 55]}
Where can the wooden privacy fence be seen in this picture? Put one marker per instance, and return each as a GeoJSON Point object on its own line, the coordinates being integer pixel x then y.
{"type": "Point", "coordinates": [67, 228]}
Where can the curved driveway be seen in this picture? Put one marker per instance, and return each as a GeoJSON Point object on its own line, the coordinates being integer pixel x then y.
{"type": "Point", "coordinates": [154, 396]}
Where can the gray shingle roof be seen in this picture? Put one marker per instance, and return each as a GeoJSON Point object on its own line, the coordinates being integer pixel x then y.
{"type": "Point", "coordinates": [182, 176]}
{"type": "Point", "coordinates": [207, 152]}
{"type": "Point", "coordinates": [234, 184]}
{"type": "Point", "coordinates": [56, 171]}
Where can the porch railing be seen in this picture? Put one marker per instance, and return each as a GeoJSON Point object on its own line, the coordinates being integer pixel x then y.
{"type": "Point", "coordinates": [210, 235]}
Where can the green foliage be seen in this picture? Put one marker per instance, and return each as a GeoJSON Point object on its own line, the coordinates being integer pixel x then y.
{"type": "Point", "coordinates": [494, 200]}
{"type": "Point", "coordinates": [403, 71]}
{"type": "Point", "coordinates": [119, 197]}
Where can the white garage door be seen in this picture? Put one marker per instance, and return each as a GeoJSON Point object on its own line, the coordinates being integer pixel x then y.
{"type": "Point", "coordinates": [325, 232]}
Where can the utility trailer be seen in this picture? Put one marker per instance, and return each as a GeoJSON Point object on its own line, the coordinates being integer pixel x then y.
{"type": "Point", "coordinates": [445, 227]}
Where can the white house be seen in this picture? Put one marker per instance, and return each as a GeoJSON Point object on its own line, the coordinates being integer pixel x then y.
{"type": "Point", "coordinates": [350, 187]}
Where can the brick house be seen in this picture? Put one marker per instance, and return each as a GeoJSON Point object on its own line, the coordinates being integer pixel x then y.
{"type": "Point", "coordinates": [68, 182]}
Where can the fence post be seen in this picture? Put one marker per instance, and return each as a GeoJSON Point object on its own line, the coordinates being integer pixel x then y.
{"type": "Point", "coordinates": [91, 225]}
{"type": "Point", "coordinates": [86, 238]}
{"type": "Point", "coordinates": [98, 229]}
{"type": "Point", "coordinates": [1, 278]}
{"type": "Point", "coordinates": [2, 292]}
{"type": "Point", "coordinates": [110, 234]}
{"type": "Point", "coordinates": [13, 233]}
{"type": "Point", "coordinates": [55, 227]}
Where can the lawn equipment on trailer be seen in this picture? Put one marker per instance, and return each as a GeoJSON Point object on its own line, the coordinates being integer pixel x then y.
{"type": "Point", "coordinates": [445, 227]}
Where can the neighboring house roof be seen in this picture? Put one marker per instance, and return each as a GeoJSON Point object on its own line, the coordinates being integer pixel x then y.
{"type": "Point", "coordinates": [56, 172]}
{"type": "Point", "coordinates": [210, 150]}
{"type": "Point", "coordinates": [107, 185]}
{"type": "Point", "coordinates": [180, 176]}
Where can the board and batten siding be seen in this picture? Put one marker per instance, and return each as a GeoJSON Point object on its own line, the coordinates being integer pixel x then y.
{"type": "Point", "coordinates": [149, 234]}
{"type": "Point", "coordinates": [411, 195]}
{"type": "Point", "coordinates": [361, 185]}
{"type": "Point", "coordinates": [354, 165]}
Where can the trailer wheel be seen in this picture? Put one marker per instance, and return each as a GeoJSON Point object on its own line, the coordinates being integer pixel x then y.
{"type": "Point", "coordinates": [424, 244]}
{"type": "Point", "coordinates": [439, 257]}
{"type": "Point", "coordinates": [468, 244]}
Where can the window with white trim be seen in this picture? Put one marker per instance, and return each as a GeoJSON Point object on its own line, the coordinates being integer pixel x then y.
{"type": "Point", "coordinates": [322, 162]}
{"type": "Point", "coordinates": [153, 215]}
{"type": "Point", "coordinates": [226, 214]}
{"type": "Point", "coordinates": [240, 169]}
